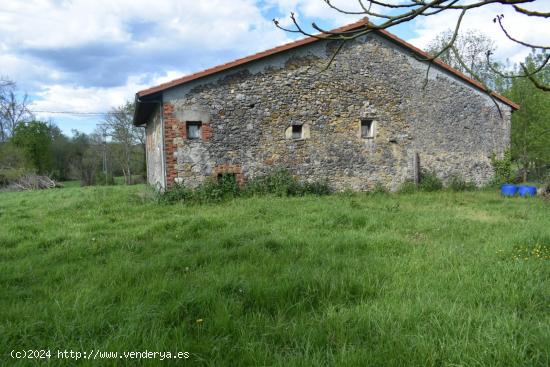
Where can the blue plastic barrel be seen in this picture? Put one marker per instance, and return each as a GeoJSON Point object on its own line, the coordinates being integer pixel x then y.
{"type": "Point", "coordinates": [526, 191]}
{"type": "Point", "coordinates": [508, 190]}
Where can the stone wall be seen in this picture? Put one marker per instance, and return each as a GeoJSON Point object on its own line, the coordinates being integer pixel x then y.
{"type": "Point", "coordinates": [246, 115]}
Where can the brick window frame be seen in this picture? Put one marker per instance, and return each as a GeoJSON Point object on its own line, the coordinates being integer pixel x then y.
{"type": "Point", "coordinates": [231, 169]}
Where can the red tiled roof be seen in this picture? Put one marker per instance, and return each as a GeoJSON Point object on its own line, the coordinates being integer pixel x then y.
{"type": "Point", "coordinates": [307, 41]}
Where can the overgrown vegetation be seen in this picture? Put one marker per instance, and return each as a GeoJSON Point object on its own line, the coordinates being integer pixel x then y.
{"type": "Point", "coordinates": [457, 183]}
{"type": "Point", "coordinates": [429, 182]}
{"type": "Point", "coordinates": [531, 123]}
{"type": "Point", "coordinates": [279, 182]}
{"type": "Point", "coordinates": [426, 279]}
{"type": "Point", "coordinates": [502, 168]}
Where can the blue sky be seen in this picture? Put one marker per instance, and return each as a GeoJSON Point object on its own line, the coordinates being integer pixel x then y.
{"type": "Point", "coordinates": [92, 55]}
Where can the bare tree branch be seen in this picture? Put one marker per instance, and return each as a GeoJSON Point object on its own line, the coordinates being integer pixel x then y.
{"type": "Point", "coordinates": [535, 82]}
{"type": "Point", "coordinates": [498, 20]}
{"type": "Point", "coordinates": [531, 13]}
{"type": "Point", "coordinates": [393, 14]}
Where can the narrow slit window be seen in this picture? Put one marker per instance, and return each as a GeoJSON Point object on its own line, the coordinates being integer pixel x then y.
{"type": "Point", "coordinates": [193, 130]}
{"type": "Point", "coordinates": [367, 128]}
{"type": "Point", "coordinates": [296, 131]}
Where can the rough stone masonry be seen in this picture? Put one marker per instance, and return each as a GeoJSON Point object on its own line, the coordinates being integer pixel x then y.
{"type": "Point", "coordinates": [357, 124]}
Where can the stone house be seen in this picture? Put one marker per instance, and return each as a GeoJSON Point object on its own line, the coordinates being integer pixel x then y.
{"type": "Point", "coordinates": [366, 120]}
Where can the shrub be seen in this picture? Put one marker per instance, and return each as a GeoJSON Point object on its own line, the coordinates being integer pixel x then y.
{"type": "Point", "coordinates": [12, 164]}
{"type": "Point", "coordinates": [457, 183]}
{"type": "Point", "coordinates": [279, 182]}
{"type": "Point", "coordinates": [175, 194]}
{"type": "Point", "coordinates": [318, 188]}
{"type": "Point", "coordinates": [216, 190]}
{"type": "Point", "coordinates": [429, 181]}
{"type": "Point", "coordinates": [103, 178]}
{"type": "Point", "coordinates": [210, 191]}
{"type": "Point", "coordinates": [502, 168]}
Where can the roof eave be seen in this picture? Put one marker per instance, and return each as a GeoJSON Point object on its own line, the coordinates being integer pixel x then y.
{"type": "Point", "coordinates": [144, 109]}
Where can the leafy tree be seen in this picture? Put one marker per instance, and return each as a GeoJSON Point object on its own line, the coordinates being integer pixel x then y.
{"type": "Point", "coordinates": [531, 123]}
{"type": "Point", "coordinates": [12, 163]}
{"type": "Point", "coordinates": [129, 141]}
{"type": "Point", "coordinates": [34, 139]}
{"type": "Point", "coordinates": [86, 157]}
{"type": "Point", "coordinates": [61, 149]}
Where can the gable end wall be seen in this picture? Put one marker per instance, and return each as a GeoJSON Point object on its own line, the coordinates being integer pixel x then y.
{"type": "Point", "coordinates": [245, 112]}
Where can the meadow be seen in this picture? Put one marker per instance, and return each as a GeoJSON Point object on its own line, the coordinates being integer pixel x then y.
{"type": "Point", "coordinates": [419, 279]}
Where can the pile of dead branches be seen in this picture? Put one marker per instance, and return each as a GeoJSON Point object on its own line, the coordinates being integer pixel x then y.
{"type": "Point", "coordinates": [33, 182]}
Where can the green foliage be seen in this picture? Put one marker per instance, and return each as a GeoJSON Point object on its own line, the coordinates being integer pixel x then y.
{"type": "Point", "coordinates": [379, 189]}
{"type": "Point", "coordinates": [279, 182]}
{"type": "Point", "coordinates": [211, 191]}
{"type": "Point", "coordinates": [61, 148]}
{"type": "Point", "coordinates": [104, 179]}
{"type": "Point", "coordinates": [34, 139]}
{"type": "Point", "coordinates": [407, 187]}
{"type": "Point", "coordinates": [12, 163]}
{"type": "Point", "coordinates": [178, 193]}
{"type": "Point", "coordinates": [457, 183]}
{"type": "Point", "coordinates": [430, 279]}
{"type": "Point", "coordinates": [429, 181]}
{"type": "Point", "coordinates": [531, 123]}
{"type": "Point", "coordinates": [318, 188]}
{"type": "Point", "coordinates": [502, 168]}
{"type": "Point", "coordinates": [128, 141]}
{"type": "Point", "coordinates": [86, 158]}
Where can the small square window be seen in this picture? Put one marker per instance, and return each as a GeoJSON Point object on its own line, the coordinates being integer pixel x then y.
{"type": "Point", "coordinates": [296, 131]}
{"type": "Point", "coordinates": [194, 129]}
{"type": "Point", "coordinates": [367, 128]}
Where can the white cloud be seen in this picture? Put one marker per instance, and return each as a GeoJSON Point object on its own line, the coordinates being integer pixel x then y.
{"type": "Point", "coordinates": [316, 10]}
{"type": "Point", "coordinates": [54, 24]}
{"type": "Point", "coordinates": [74, 98]}
{"type": "Point", "coordinates": [91, 55]}
{"type": "Point", "coordinates": [162, 38]}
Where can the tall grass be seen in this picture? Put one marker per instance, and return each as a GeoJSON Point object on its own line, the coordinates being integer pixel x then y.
{"type": "Point", "coordinates": [279, 182]}
{"type": "Point", "coordinates": [425, 279]}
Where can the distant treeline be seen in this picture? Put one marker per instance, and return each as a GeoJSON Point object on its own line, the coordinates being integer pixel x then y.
{"type": "Point", "coordinates": [27, 145]}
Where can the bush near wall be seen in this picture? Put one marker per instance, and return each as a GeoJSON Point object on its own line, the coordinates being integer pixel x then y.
{"type": "Point", "coordinates": [280, 182]}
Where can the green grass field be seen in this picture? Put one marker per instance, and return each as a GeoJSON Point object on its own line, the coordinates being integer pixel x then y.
{"type": "Point", "coordinates": [424, 279]}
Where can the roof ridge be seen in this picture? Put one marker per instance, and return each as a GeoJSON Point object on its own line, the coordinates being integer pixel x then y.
{"type": "Point", "coordinates": [308, 40]}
